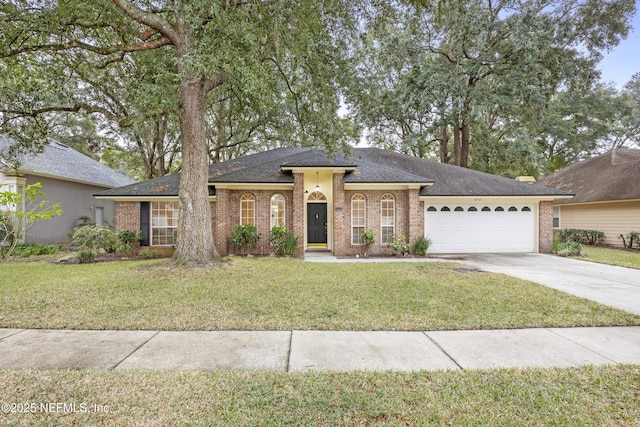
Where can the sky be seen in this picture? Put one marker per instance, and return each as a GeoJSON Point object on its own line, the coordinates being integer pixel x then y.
{"type": "Point", "coordinates": [622, 62]}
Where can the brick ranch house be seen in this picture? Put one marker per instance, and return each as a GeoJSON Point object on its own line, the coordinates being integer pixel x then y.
{"type": "Point", "coordinates": [329, 201]}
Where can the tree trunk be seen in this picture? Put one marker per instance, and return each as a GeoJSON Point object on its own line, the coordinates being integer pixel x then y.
{"type": "Point", "coordinates": [194, 244]}
{"type": "Point", "coordinates": [444, 145]}
{"type": "Point", "coordinates": [457, 146]}
{"type": "Point", "coordinates": [464, 145]}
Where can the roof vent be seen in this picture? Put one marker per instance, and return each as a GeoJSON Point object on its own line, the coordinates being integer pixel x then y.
{"type": "Point", "coordinates": [526, 178]}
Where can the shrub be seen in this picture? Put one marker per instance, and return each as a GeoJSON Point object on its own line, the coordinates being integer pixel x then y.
{"type": "Point", "coordinates": [290, 244]}
{"type": "Point", "coordinates": [127, 240]}
{"type": "Point", "coordinates": [570, 249]}
{"type": "Point", "coordinates": [421, 245]}
{"type": "Point", "coordinates": [149, 254]}
{"type": "Point", "coordinates": [276, 238]}
{"type": "Point", "coordinates": [368, 239]}
{"type": "Point", "coordinates": [585, 237]}
{"type": "Point", "coordinates": [630, 239]}
{"type": "Point", "coordinates": [94, 238]}
{"type": "Point", "coordinates": [245, 237]}
{"type": "Point", "coordinates": [86, 256]}
{"type": "Point", "coordinates": [399, 244]}
{"type": "Point", "coordinates": [31, 249]}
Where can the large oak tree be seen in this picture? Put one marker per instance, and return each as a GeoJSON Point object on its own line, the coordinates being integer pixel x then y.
{"type": "Point", "coordinates": [213, 46]}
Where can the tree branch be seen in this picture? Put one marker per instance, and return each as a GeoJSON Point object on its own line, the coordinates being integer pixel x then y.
{"type": "Point", "coordinates": [149, 19]}
{"type": "Point", "coordinates": [76, 44]}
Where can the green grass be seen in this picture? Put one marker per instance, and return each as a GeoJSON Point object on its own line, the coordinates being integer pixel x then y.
{"type": "Point", "coordinates": [283, 294]}
{"type": "Point", "coordinates": [618, 257]}
{"type": "Point", "coordinates": [598, 396]}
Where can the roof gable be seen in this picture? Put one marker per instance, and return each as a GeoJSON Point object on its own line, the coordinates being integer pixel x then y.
{"type": "Point", "coordinates": [62, 162]}
{"type": "Point", "coordinates": [607, 177]}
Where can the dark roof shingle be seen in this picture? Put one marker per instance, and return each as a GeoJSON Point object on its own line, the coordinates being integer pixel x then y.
{"type": "Point", "coordinates": [363, 165]}
{"type": "Point", "coordinates": [60, 161]}
{"type": "Point", "coordinates": [609, 176]}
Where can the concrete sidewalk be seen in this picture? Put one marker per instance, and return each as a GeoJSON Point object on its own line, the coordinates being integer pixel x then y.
{"type": "Point", "coordinates": [294, 351]}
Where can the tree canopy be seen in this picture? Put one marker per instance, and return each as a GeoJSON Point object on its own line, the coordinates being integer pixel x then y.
{"type": "Point", "coordinates": [95, 57]}
{"type": "Point", "coordinates": [471, 82]}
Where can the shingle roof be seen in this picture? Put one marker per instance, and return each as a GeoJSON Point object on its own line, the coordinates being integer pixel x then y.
{"type": "Point", "coordinates": [450, 180]}
{"type": "Point", "coordinates": [610, 176]}
{"type": "Point", "coordinates": [363, 165]}
{"type": "Point", "coordinates": [62, 162]}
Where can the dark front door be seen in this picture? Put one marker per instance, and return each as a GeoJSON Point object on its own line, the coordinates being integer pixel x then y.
{"type": "Point", "coordinates": [316, 223]}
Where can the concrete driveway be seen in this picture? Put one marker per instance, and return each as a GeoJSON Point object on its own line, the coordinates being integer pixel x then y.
{"type": "Point", "coordinates": [614, 286]}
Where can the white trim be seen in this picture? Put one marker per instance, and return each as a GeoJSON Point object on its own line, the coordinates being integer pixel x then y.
{"type": "Point", "coordinates": [284, 209]}
{"type": "Point", "coordinates": [364, 225]}
{"type": "Point", "coordinates": [393, 200]}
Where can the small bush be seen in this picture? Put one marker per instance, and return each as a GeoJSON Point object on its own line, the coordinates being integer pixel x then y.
{"type": "Point", "coordinates": [94, 238]}
{"type": "Point", "coordinates": [585, 237]}
{"type": "Point", "coordinates": [570, 249]}
{"type": "Point", "coordinates": [149, 254]}
{"type": "Point", "coordinates": [630, 239]}
{"type": "Point", "coordinates": [276, 237]}
{"type": "Point", "coordinates": [32, 249]}
{"type": "Point", "coordinates": [290, 244]}
{"type": "Point", "coordinates": [368, 239]}
{"type": "Point", "coordinates": [399, 244]}
{"type": "Point", "coordinates": [127, 241]}
{"type": "Point", "coordinates": [245, 237]}
{"type": "Point", "coordinates": [421, 246]}
{"type": "Point", "coordinates": [86, 256]}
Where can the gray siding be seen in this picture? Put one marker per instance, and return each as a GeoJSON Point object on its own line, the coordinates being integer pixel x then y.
{"type": "Point", "coordinates": [76, 200]}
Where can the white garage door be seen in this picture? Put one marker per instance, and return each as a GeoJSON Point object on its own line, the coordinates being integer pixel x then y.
{"type": "Point", "coordinates": [476, 228]}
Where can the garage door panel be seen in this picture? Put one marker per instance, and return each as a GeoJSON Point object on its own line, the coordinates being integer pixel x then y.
{"type": "Point", "coordinates": [480, 231]}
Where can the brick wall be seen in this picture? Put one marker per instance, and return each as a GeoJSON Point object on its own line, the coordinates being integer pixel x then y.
{"type": "Point", "coordinates": [545, 217]}
{"type": "Point", "coordinates": [408, 221]}
{"type": "Point", "coordinates": [341, 230]}
{"type": "Point", "coordinates": [128, 215]}
{"type": "Point", "coordinates": [227, 210]}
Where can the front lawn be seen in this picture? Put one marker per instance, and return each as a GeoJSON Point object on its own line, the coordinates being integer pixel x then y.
{"type": "Point", "coordinates": [284, 294]}
{"type": "Point", "coordinates": [618, 257]}
{"type": "Point", "coordinates": [598, 396]}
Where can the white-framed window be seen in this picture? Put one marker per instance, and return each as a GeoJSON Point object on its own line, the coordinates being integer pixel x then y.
{"type": "Point", "coordinates": [358, 218]}
{"type": "Point", "coordinates": [278, 203]}
{"type": "Point", "coordinates": [164, 223]}
{"type": "Point", "coordinates": [556, 217]}
{"type": "Point", "coordinates": [248, 209]}
{"type": "Point", "coordinates": [387, 217]}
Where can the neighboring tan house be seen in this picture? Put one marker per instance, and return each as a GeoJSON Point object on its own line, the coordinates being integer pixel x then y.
{"type": "Point", "coordinates": [328, 202]}
{"type": "Point", "coordinates": [607, 189]}
{"type": "Point", "coordinates": [68, 177]}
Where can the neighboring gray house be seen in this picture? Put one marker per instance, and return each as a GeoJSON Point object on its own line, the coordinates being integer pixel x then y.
{"type": "Point", "coordinates": [68, 177]}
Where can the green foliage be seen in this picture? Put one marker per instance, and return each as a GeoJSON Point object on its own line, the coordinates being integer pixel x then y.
{"type": "Point", "coordinates": [86, 256]}
{"type": "Point", "coordinates": [398, 244]}
{"type": "Point", "coordinates": [630, 240]}
{"type": "Point", "coordinates": [245, 237]}
{"type": "Point", "coordinates": [368, 239]}
{"type": "Point", "coordinates": [32, 249]}
{"type": "Point", "coordinates": [127, 241]}
{"type": "Point", "coordinates": [570, 248]}
{"type": "Point", "coordinates": [20, 211]}
{"type": "Point", "coordinates": [290, 244]}
{"type": "Point", "coordinates": [94, 238]}
{"type": "Point", "coordinates": [585, 237]}
{"type": "Point", "coordinates": [276, 238]}
{"type": "Point", "coordinates": [421, 245]}
{"type": "Point", "coordinates": [510, 91]}
{"type": "Point", "coordinates": [149, 254]}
